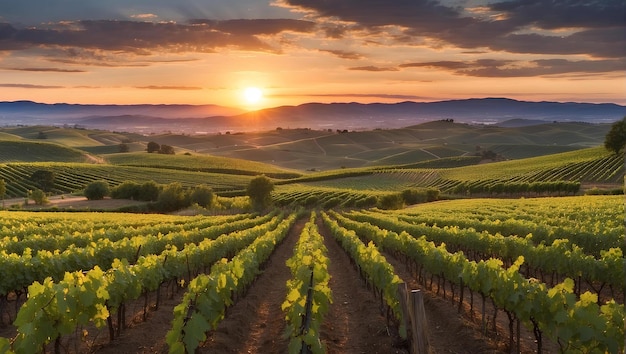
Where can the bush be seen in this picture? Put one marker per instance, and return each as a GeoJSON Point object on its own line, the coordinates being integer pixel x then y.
{"type": "Point", "coordinates": [126, 190]}
{"type": "Point", "coordinates": [432, 194]}
{"type": "Point", "coordinates": [260, 192]}
{"type": "Point", "coordinates": [172, 197]}
{"type": "Point", "coordinates": [149, 192]}
{"type": "Point", "coordinates": [39, 197]}
{"type": "Point", "coordinates": [391, 201]}
{"type": "Point", "coordinates": [202, 195]}
{"type": "Point", "coordinates": [413, 196]}
{"type": "Point", "coordinates": [97, 190]}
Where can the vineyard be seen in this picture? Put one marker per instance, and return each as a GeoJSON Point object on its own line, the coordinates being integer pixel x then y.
{"type": "Point", "coordinates": [536, 275]}
{"type": "Point", "coordinates": [510, 256]}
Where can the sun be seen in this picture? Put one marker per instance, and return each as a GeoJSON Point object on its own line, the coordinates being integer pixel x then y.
{"type": "Point", "coordinates": [252, 95]}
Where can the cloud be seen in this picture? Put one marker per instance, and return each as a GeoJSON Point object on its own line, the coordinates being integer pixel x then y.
{"type": "Point", "coordinates": [563, 13]}
{"type": "Point", "coordinates": [359, 95]}
{"type": "Point", "coordinates": [148, 37]}
{"type": "Point", "coordinates": [29, 86]}
{"type": "Point", "coordinates": [54, 70]}
{"type": "Point", "coordinates": [144, 16]}
{"type": "Point", "coordinates": [343, 54]}
{"type": "Point", "coordinates": [372, 68]}
{"type": "Point", "coordinates": [518, 68]}
{"type": "Point", "coordinates": [183, 88]}
{"type": "Point", "coordinates": [595, 27]}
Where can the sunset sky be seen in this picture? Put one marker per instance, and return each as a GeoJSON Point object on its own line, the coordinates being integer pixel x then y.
{"type": "Point", "coordinates": [297, 51]}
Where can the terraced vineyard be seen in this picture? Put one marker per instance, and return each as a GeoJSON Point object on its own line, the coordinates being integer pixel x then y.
{"type": "Point", "coordinates": [553, 266]}
{"type": "Point", "coordinates": [70, 178]}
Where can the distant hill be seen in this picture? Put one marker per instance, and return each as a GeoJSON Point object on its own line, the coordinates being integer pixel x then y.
{"type": "Point", "coordinates": [191, 119]}
{"type": "Point", "coordinates": [28, 112]}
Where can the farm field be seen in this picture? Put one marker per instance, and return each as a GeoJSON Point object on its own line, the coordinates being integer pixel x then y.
{"type": "Point", "coordinates": [509, 252]}
{"type": "Point", "coordinates": [138, 269]}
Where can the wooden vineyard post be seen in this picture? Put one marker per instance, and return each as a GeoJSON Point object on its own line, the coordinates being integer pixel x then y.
{"type": "Point", "coordinates": [414, 317]}
{"type": "Point", "coordinates": [419, 325]}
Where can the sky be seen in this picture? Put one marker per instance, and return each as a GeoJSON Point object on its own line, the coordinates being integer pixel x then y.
{"type": "Point", "coordinates": [299, 51]}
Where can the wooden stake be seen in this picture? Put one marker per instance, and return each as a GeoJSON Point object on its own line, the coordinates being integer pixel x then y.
{"type": "Point", "coordinates": [419, 325]}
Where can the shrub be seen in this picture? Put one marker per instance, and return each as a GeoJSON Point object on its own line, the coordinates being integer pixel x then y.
{"type": "Point", "coordinates": [172, 197]}
{"type": "Point", "coordinates": [391, 201]}
{"type": "Point", "coordinates": [126, 190]}
{"type": "Point", "coordinates": [97, 190]}
{"type": "Point", "coordinates": [149, 192]}
{"type": "Point", "coordinates": [202, 195]}
{"type": "Point", "coordinates": [260, 192]}
{"type": "Point", "coordinates": [39, 197]}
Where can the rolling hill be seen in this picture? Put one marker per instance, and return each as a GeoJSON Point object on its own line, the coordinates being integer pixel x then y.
{"type": "Point", "coordinates": [191, 119]}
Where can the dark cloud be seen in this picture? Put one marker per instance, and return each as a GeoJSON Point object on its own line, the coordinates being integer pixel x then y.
{"type": "Point", "coordinates": [30, 86]}
{"type": "Point", "coordinates": [54, 70]}
{"type": "Point", "coordinates": [372, 68]}
{"type": "Point", "coordinates": [343, 54]}
{"type": "Point", "coordinates": [515, 68]}
{"type": "Point", "coordinates": [183, 88]}
{"type": "Point", "coordinates": [600, 24]}
{"type": "Point", "coordinates": [563, 13]}
{"type": "Point", "coordinates": [146, 37]}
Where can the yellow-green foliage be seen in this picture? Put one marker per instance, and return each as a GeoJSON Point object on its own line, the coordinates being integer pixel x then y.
{"type": "Point", "coordinates": [195, 162]}
{"type": "Point", "coordinates": [524, 166]}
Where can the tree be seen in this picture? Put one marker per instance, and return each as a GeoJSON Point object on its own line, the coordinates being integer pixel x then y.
{"type": "Point", "coordinates": [97, 190]}
{"type": "Point", "coordinates": [615, 140]}
{"type": "Point", "coordinates": [126, 190]}
{"type": "Point", "coordinates": [44, 178]}
{"type": "Point", "coordinates": [39, 197]}
{"type": "Point", "coordinates": [166, 149]}
{"type": "Point", "coordinates": [202, 195]}
{"type": "Point", "coordinates": [123, 147]}
{"type": "Point", "coordinates": [260, 192]}
{"type": "Point", "coordinates": [149, 191]}
{"type": "Point", "coordinates": [172, 197]}
{"type": "Point", "coordinates": [153, 147]}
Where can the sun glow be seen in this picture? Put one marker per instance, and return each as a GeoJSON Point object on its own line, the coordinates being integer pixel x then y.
{"type": "Point", "coordinates": [252, 95]}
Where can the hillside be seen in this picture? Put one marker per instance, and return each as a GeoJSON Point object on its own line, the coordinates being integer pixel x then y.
{"type": "Point", "coordinates": [444, 155]}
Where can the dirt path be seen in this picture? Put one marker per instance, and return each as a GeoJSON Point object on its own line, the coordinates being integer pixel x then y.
{"type": "Point", "coordinates": [353, 324]}
{"type": "Point", "coordinates": [255, 324]}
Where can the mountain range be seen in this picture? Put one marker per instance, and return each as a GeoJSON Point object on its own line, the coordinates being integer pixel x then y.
{"type": "Point", "coordinates": [198, 119]}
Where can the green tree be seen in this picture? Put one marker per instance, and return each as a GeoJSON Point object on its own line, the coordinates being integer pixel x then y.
{"type": "Point", "coordinates": [126, 190]}
{"type": "Point", "coordinates": [202, 195]}
{"type": "Point", "coordinates": [166, 149]}
{"type": "Point", "coordinates": [391, 201]}
{"type": "Point", "coordinates": [260, 192]}
{"type": "Point", "coordinates": [39, 197]}
{"type": "Point", "coordinates": [172, 197]}
{"type": "Point", "coordinates": [615, 140]}
{"type": "Point", "coordinates": [97, 190]}
{"type": "Point", "coordinates": [123, 147]}
{"type": "Point", "coordinates": [153, 147]}
{"type": "Point", "coordinates": [149, 191]}
{"type": "Point", "coordinates": [44, 178]}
